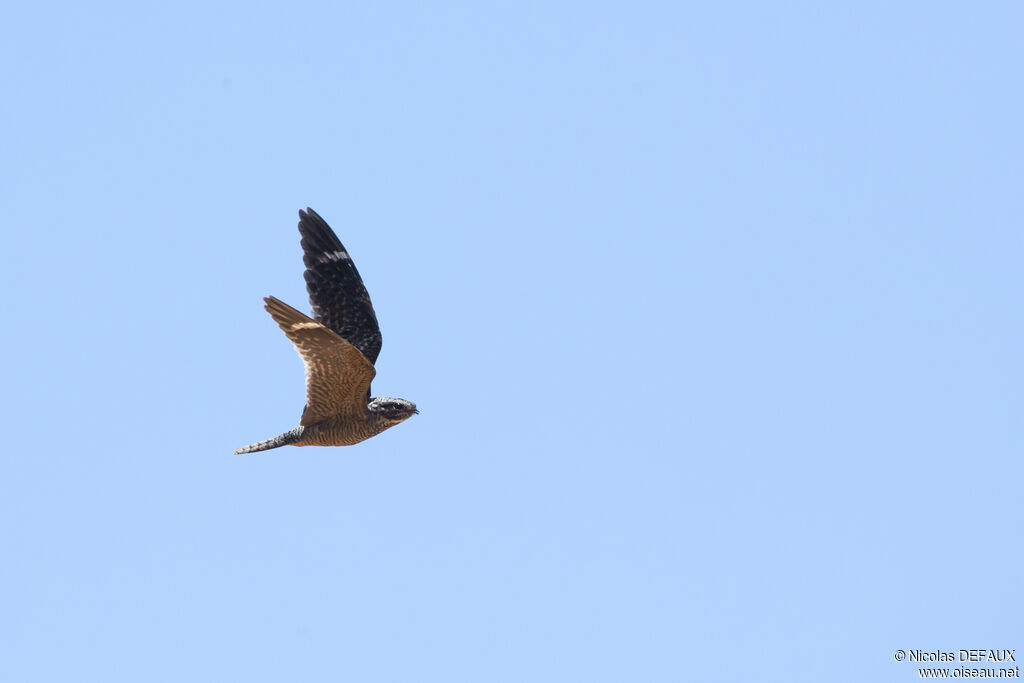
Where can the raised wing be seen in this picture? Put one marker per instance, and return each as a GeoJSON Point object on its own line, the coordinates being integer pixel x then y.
{"type": "Point", "coordinates": [338, 376]}
{"type": "Point", "coordinates": [336, 291]}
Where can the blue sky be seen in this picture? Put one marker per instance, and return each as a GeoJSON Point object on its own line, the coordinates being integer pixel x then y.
{"type": "Point", "coordinates": [712, 313]}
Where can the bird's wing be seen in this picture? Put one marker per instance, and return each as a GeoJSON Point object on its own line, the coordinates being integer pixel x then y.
{"type": "Point", "coordinates": [336, 291]}
{"type": "Point", "coordinates": [338, 376]}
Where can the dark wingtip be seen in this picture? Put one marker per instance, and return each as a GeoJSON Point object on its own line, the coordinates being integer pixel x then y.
{"type": "Point", "coordinates": [317, 236]}
{"type": "Point", "coordinates": [309, 215]}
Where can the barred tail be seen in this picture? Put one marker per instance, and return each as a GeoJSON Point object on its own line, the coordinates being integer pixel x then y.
{"type": "Point", "coordinates": [278, 441]}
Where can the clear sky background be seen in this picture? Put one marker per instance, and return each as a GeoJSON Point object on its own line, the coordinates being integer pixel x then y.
{"type": "Point", "coordinates": [712, 313]}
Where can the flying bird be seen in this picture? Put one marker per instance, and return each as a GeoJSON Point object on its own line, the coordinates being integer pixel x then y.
{"type": "Point", "coordinates": [339, 346]}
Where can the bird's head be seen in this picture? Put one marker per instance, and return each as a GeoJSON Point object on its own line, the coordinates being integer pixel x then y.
{"type": "Point", "coordinates": [392, 410]}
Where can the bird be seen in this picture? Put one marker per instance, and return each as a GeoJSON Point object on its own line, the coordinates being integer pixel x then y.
{"type": "Point", "coordinates": [339, 346]}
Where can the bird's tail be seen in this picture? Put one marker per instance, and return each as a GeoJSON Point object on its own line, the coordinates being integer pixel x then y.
{"type": "Point", "coordinates": [278, 441]}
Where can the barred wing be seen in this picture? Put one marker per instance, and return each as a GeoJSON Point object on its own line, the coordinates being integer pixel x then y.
{"type": "Point", "coordinates": [336, 291]}
{"type": "Point", "coordinates": [338, 376]}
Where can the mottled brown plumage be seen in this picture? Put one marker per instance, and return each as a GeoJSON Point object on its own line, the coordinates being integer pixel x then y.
{"type": "Point", "coordinates": [338, 347]}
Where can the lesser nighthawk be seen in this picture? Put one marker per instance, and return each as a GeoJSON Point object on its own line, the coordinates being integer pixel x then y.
{"type": "Point", "coordinates": [339, 346]}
